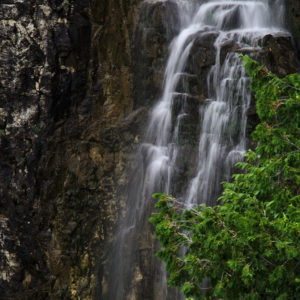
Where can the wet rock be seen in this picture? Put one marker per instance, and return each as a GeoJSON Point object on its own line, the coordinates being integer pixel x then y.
{"type": "Point", "coordinates": [202, 51]}
{"type": "Point", "coordinates": [275, 50]}
{"type": "Point", "coordinates": [227, 47]}
{"type": "Point", "coordinates": [187, 83]}
{"type": "Point", "coordinates": [278, 54]}
{"type": "Point", "coordinates": [162, 16]}
{"type": "Point", "coordinates": [158, 23]}
{"type": "Point", "coordinates": [201, 59]}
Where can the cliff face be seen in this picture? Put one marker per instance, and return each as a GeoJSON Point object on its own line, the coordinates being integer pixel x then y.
{"type": "Point", "coordinates": [69, 119]}
{"type": "Point", "coordinates": [77, 79]}
{"type": "Point", "coordinates": [44, 61]}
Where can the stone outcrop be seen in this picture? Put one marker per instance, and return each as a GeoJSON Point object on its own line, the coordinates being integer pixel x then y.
{"type": "Point", "coordinates": [77, 78]}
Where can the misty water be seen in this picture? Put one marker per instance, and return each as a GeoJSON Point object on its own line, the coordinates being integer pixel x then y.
{"type": "Point", "coordinates": [218, 142]}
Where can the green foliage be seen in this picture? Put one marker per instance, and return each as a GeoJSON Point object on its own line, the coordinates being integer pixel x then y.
{"type": "Point", "coordinates": [36, 129]}
{"type": "Point", "coordinates": [248, 247]}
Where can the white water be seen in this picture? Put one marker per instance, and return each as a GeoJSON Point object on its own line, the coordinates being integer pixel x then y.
{"type": "Point", "coordinates": [220, 147]}
{"type": "Point", "coordinates": [221, 136]}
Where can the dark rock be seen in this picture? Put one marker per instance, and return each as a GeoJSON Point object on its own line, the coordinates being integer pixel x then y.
{"type": "Point", "coordinates": [203, 51]}
{"type": "Point", "coordinates": [278, 54]}
{"type": "Point", "coordinates": [158, 23]}
{"type": "Point", "coordinates": [201, 58]}
{"type": "Point", "coordinates": [293, 21]}
{"type": "Point", "coordinates": [162, 16]}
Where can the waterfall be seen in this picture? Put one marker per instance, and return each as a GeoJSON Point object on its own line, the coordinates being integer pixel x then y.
{"type": "Point", "coordinates": [192, 141]}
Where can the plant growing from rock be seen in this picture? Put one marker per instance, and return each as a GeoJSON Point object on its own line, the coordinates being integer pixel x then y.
{"type": "Point", "coordinates": [247, 247]}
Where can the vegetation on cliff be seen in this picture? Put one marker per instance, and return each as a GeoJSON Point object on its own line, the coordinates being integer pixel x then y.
{"type": "Point", "coordinates": [247, 247]}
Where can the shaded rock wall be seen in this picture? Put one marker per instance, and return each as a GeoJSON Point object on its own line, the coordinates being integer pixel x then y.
{"type": "Point", "coordinates": [42, 76]}
{"type": "Point", "coordinates": [293, 20]}
{"type": "Point", "coordinates": [67, 127]}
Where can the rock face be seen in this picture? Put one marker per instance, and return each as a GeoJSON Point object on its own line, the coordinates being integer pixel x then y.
{"type": "Point", "coordinates": [293, 20]}
{"type": "Point", "coordinates": [158, 23]}
{"type": "Point", "coordinates": [43, 77]}
{"type": "Point", "coordinates": [67, 126]}
{"type": "Point", "coordinates": [77, 79]}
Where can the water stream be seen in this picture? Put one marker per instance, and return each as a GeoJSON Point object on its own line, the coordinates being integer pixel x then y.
{"type": "Point", "coordinates": [173, 159]}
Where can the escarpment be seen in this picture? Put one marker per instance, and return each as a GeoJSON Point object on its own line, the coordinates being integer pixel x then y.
{"type": "Point", "coordinates": [78, 79]}
{"type": "Point", "coordinates": [69, 121]}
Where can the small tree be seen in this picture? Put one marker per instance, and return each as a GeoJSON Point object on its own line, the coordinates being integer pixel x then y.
{"type": "Point", "coordinates": [248, 247]}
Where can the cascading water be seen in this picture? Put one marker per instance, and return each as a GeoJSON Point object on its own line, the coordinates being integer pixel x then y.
{"type": "Point", "coordinates": [217, 143]}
